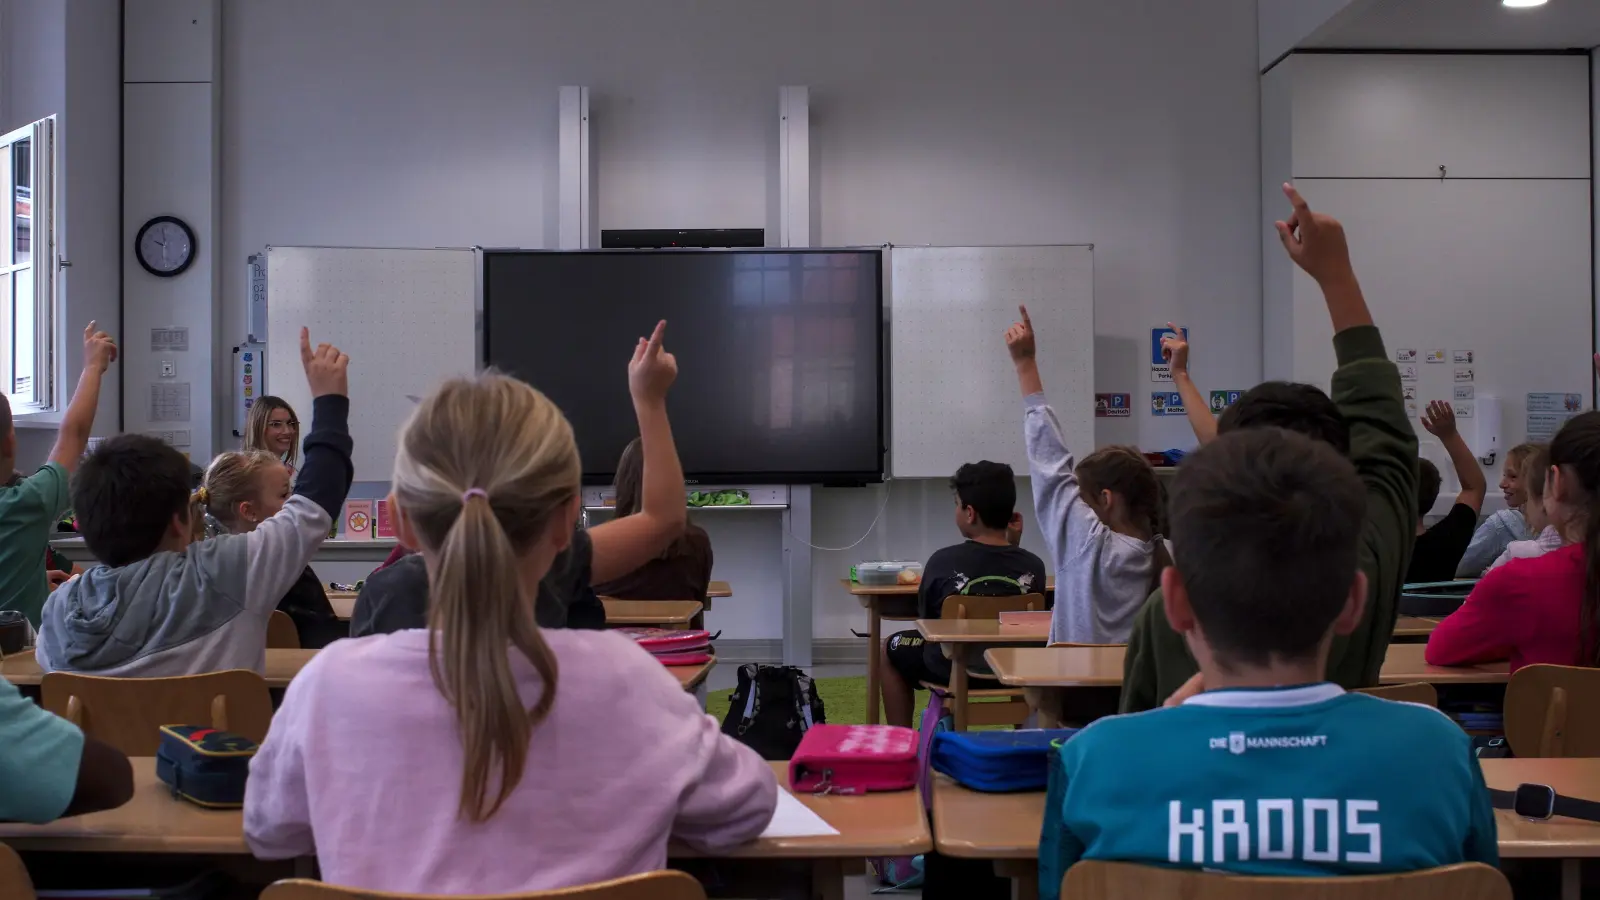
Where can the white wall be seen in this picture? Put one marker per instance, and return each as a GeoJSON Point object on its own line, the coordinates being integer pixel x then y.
{"type": "Point", "coordinates": [370, 122]}
{"type": "Point", "coordinates": [1283, 24]}
{"type": "Point", "coordinates": [59, 57]}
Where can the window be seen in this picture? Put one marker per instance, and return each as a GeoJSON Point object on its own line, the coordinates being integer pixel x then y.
{"type": "Point", "coordinates": [27, 267]}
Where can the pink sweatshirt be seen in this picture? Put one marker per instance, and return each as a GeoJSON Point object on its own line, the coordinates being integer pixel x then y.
{"type": "Point", "coordinates": [1527, 611]}
{"type": "Point", "coordinates": [363, 763]}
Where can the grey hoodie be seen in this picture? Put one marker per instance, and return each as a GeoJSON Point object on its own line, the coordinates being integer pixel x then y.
{"type": "Point", "coordinates": [1102, 577]}
{"type": "Point", "coordinates": [202, 610]}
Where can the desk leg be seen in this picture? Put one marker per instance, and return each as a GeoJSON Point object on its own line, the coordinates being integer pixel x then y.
{"type": "Point", "coordinates": [958, 684]}
{"type": "Point", "coordinates": [1045, 704]}
{"type": "Point", "coordinates": [1024, 874]}
{"type": "Point", "coordinates": [1571, 879]}
{"type": "Point", "coordinates": [827, 880]}
{"type": "Point", "coordinates": [874, 656]}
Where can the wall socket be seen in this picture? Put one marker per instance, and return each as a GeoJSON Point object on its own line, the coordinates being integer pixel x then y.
{"type": "Point", "coordinates": [169, 369]}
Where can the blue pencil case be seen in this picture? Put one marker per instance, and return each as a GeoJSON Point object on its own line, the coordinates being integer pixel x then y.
{"type": "Point", "coordinates": [204, 766]}
{"type": "Point", "coordinates": [998, 761]}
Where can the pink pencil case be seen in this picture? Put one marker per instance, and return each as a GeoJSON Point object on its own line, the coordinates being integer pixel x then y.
{"type": "Point", "coordinates": [665, 640]}
{"type": "Point", "coordinates": [854, 759]}
{"type": "Point", "coordinates": [688, 658]}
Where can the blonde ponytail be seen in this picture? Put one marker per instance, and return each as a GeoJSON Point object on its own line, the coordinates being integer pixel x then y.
{"type": "Point", "coordinates": [483, 468]}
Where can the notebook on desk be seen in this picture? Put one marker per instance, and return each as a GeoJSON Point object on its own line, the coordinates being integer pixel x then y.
{"type": "Point", "coordinates": [1030, 618]}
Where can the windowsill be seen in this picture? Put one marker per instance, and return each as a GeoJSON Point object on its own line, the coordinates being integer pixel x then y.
{"type": "Point", "coordinates": [41, 420]}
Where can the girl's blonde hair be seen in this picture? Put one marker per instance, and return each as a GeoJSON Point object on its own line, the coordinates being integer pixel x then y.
{"type": "Point", "coordinates": [1535, 465]}
{"type": "Point", "coordinates": [255, 427]}
{"type": "Point", "coordinates": [231, 479]}
{"type": "Point", "coordinates": [484, 466]}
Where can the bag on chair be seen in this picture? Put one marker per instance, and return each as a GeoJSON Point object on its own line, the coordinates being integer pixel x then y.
{"type": "Point", "coordinates": [204, 766]}
{"type": "Point", "coordinates": [772, 709]}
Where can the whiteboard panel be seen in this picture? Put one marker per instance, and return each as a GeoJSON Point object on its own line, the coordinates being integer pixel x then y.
{"type": "Point", "coordinates": [406, 318]}
{"type": "Point", "coordinates": [953, 391]}
{"type": "Point", "coordinates": [1499, 268]}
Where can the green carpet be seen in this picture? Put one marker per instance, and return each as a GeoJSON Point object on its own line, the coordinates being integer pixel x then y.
{"type": "Point", "coordinates": [844, 700]}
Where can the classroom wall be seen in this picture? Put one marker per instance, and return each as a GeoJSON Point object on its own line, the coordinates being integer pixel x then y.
{"type": "Point", "coordinates": [370, 122]}
{"type": "Point", "coordinates": [1283, 24]}
{"type": "Point", "coordinates": [60, 57]}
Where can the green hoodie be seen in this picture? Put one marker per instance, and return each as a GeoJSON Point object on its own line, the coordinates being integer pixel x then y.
{"type": "Point", "coordinates": [1383, 447]}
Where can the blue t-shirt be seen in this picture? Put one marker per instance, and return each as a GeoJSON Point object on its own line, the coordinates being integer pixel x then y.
{"type": "Point", "coordinates": [29, 511]}
{"type": "Point", "coordinates": [1305, 781]}
{"type": "Point", "coordinates": [39, 768]}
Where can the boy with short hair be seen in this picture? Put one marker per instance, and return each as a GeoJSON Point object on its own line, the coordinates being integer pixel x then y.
{"type": "Point", "coordinates": [30, 507]}
{"type": "Point", "coordinates": [159, 605]}
{"type": "Point", "coordinates": [1269, 771]}
{"type": "Point", "coordinates": [987, 563]}
{"type": "Point", "coordinates": [1365, 420]}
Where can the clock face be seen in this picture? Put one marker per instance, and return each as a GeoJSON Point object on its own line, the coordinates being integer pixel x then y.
{"type": "Point", "coordinates": [165, 247]}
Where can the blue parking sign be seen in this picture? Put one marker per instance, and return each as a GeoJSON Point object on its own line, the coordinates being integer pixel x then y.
{"type": "Point", "coordinates": [1156, 334]}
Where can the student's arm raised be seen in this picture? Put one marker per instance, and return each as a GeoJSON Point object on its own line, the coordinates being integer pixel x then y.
{"type": "Point", "coordinates": [1064, 519]}
{"type": "Point", "coordinates": [99, 352]}
{"type": "Point", "coordinates": [625, 544]}
{"type": "Point", "coordinates": [281, 546]}
{"type": "Point", "coordinates": [1440, 421]}
{"type": "Point", "coordinates": [1175, 347]}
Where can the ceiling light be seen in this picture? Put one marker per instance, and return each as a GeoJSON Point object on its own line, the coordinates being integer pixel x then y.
{"type": "Point", "coordinates": [1523, 4]}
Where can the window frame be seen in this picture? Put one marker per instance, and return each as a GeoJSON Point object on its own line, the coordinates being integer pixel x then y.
{"type": "Point", "coordinates": [38, 392]}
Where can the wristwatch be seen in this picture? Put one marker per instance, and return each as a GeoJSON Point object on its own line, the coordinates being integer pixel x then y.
{"type": "Point", "coordinates": [1540, 802]}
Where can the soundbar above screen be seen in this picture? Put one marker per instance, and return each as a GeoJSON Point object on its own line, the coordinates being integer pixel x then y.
{"type": "Point", "coordinates": [779, 354]}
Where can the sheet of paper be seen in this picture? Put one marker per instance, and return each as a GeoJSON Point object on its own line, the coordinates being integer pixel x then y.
{"type": "Point", "coordinates": [794, 819]}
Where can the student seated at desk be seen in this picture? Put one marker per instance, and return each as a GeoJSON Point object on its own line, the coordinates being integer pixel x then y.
{"type": "Point", "coordinates": [1507, 525]}
{"type": "Point", "coordinates": [1366, 421]}
{"type": "Point", "coordinates": [1438, 549]}
{"type": "Point", "coordinates": [1544, 609]}
{"type": "Point", "coordinates": [987, 563]}
{"type": "Point", "coordinates": [160, 604]}
{"type": "Point", "coordinates": [484, 754]}
{"type": "Point", "coordinates": [30, 507]}
{"type": "Point", "coordinates": [1550, 520]}
{"type": "Point", "coordinates": [1098, 516]}
{"type": "Point", "coordinates": [395, 596]}
{"type": "Point", "coordinates": [50, 769]}
{"type": "Point", "coordinates": [680, 572]}
{"type": "Point", "coordinates": [241, 490]}
{"type": "Point", "coordinates": [1270, 770]}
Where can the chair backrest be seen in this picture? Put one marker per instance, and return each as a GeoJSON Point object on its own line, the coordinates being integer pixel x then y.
{"type": "Point", "coordinates": [1405, 693]}
{"type": "Point", "coordinates": [964, 606]}
{"type": "Point", "coordinates": [665, 885]}
{"type": "Point", "coordinates": [1125, 881]}
{"type": "Point", "coordinates": [128, 713]}
{"type": "Point", "coordinates": [1549, 711]}
{"type": "Point", "coordinates": [281, 633]}
{"type": "Point", "coordinates": [14, 881]}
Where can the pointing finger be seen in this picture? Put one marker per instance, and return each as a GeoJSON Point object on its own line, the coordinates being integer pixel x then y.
{"type": "Point", "coordinates": [656, 337]}
{"type": "Point", "coordinates": [305, 344]}
{"type": "Point", "coordinates": [1027, 322]}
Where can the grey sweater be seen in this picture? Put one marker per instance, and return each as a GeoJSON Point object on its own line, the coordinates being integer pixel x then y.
{"type": "Point", "coordinates": [1102, 577]}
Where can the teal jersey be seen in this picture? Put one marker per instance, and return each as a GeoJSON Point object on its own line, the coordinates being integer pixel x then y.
{"type": "Point", "coordinates": [1293, 781]}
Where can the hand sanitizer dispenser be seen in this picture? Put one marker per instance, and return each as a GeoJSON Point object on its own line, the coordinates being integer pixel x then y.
{"type": "Point", "coordinates": [1485, 436]}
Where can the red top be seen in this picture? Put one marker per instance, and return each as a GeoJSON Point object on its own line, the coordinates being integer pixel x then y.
{"type": "Point", "coordinates": [1526, 611]}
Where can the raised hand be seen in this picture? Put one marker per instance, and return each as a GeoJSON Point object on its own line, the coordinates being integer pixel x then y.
{"type": "Point", "coordinates": [327, 370]}
{"type": "Point", "coordinates": [652, 369]}
{"type": "Point", "coordinates": [99, 350]}
{"type": "Point", "coordinates": [1439, 419]}
{"type": "Point", "coordinates": [1314, 241]}
{"type": "Point", "coordinates": [1175, 350]}
{"type": "Point", "coordinates": [1019, 337]}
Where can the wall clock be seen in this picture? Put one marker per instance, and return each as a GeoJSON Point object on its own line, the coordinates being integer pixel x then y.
{"type": "Point", "coordinates": [165, 246]}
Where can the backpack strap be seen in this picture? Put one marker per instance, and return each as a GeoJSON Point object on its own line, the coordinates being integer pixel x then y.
{"type": "Point", "coordinates": [802, 697]}
{"type": "Point", "coordinates": [752, 703]}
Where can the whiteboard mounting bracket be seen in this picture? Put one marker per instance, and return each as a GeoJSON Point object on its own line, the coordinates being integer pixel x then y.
{"type": "Point", "coordinates": [575, 215]}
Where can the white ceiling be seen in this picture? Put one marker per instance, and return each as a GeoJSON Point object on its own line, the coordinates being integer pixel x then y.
{"type": "Point", "coordinates": [1461, 25]}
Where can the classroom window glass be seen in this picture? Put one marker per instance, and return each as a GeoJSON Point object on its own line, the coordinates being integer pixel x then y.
{"type": "Point", "coordinates": [27, 270]}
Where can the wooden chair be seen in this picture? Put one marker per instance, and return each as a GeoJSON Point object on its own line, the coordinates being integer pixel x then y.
{"type": "Point", "coordinates": [994, 706]}
{"type": "Point", "coordinates": [14, 881]}
{"type": "Point", "coordinates": [1550, 711]}
{"type": "Point", "coordinates": [1405, 693]}
{"type": "Point", "coordinates": [281, 633]}
{"type": "Point", "coordinates": [128, 713]}
{"type": "Point", "coordinates": [1125, 881]}
{"type": "Point", "coordinates": [665, 885]}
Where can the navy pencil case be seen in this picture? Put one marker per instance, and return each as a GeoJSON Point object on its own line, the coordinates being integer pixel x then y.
{"type": "Point", "coordinates": [204, 766]}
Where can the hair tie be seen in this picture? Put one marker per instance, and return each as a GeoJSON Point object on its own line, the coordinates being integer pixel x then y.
{"type": "Point", "coordinates": [202, 495]}
{"type": "Point", "coordinates": [469, 493]}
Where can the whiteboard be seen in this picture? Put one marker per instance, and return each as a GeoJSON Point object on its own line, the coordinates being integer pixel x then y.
{"type": "Point", "coordinates": [952, 390]}
{"type": "Point", "coordinates": [406, 318]}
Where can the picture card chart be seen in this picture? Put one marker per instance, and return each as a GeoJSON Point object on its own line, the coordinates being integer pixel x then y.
{"type": "Point", "coordinates": [953, 389]}
{"type": "Point", "coordinates": [406, 318]}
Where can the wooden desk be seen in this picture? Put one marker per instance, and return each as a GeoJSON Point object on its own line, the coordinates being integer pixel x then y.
{"type": "Point", "coordinates": [1005, 827]}
{"type": "Point", "coordinates": [1414, 627]}
{"type": "Point", "coordinates": [692, 677]}
{"type": "Point", "coordinates": [886, 824]}
{"type": "Point", "coordinates": [1046, 674]}
{"type": "Point", "coordinates": [982, 631]}
{"type": "Point", "coordinates": [282, 665]}
{"type": "Point", "coordinates": [663, 613]}
{"type": "Point", "coordinates": [343, 603]}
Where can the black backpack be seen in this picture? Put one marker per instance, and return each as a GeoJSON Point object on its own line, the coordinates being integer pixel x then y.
{"type": "Point", "coordinates": [771, 709]}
